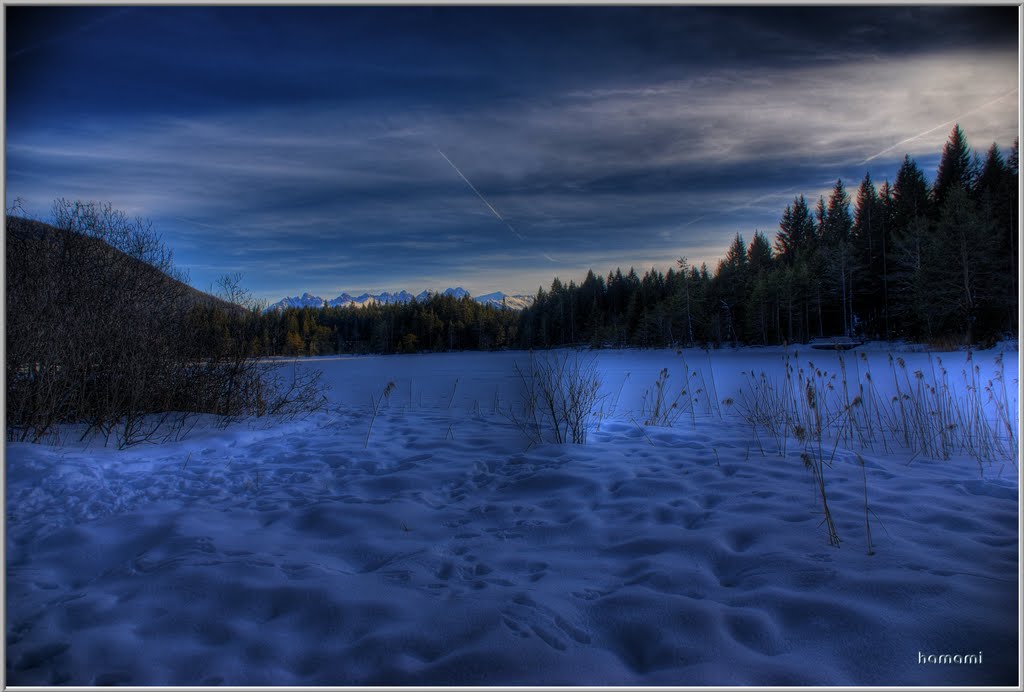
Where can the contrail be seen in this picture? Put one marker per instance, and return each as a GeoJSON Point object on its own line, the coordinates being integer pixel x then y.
{"type": "Point", "coordinates": [494, 211]}
{"type": "Point", "coordinates": [939, 127]}
{"type": "Point", "coordinates": [745, 205]}
{"type": "Point", "coordinates": [482, 199]}
{"type": "Point", "coordinates": [196, 223]}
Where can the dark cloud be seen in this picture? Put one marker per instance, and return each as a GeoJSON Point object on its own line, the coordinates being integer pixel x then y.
{"type": "Point", "coordinates": [300, 144]}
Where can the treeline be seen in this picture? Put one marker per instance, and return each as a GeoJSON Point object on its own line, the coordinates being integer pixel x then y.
{"type": "Point", "coordinates": [934, 263]}
{"type": "Point", "coordinates": [908, 260]}
{"type": "Point", "coordinates": [439, 323]}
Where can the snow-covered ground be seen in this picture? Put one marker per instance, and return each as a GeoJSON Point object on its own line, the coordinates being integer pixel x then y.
{"type": "Point", "coordinates": [439, 547]}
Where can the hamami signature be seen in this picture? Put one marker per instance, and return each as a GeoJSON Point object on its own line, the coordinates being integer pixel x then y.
{"type": "Point", "coordinates": [949, 658]}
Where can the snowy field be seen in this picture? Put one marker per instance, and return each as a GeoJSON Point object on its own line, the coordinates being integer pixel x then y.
{"type": "Point", "coordinates": [438, 546]}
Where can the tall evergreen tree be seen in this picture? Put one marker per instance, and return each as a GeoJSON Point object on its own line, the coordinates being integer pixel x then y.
{"type": "Point", "coordinates": [731, 289]}
{"type": "Point", "coordinates": [955, 168]}
{"type": "Point", "coordinates": [836, 230]}
{"type": "Point", "coordinates": [759, 254]}
{"type": "Point", "coordinates": [996, 195]}
{"type": "Point", "coordinates": [795, 237]}
{"type": "Point", "coordinates": [992, 174]}
{"type": "Point", "coordinates": [911, 208]}
{"type": "Point", "coordinates": [797, 246]}
{"type": "Point", "coordinates": [959, 271]}
{"type": "Point", "coordinates": [700, 290]}
{"type": "Point", "coordinates": [885, 209]}
{"type": "Point", "coordinates": [760, 307]}
{"type": "Point", "coordinates": [911, 204]}
{"type": "Point", "coordinates": [869, 230]}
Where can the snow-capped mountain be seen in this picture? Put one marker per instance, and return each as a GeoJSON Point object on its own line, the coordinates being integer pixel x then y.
{"type": "Point", "coordinates": [497, 299]}
{"type": "Point", "coordinates": [458, 293]}
{"type": "Point", "coordinates": [364, 299]}
{"type": "Point", "coordinates": [306, 300]}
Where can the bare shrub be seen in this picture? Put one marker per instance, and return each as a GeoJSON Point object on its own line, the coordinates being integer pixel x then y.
{"type": "Point", "coordinates": [659, 407]}
{"type": "Point", "coordinates": [925, 411]}
{"type": "Point", "coordinates": [103, 330]}
{"type": "Point", "coordinates": [559, 395]}
{"type": "Point", "coordinates": [93, 304]}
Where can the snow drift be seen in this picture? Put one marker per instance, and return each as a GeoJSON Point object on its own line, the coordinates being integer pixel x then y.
{"type": "Point", "coordinates": [438, 547]}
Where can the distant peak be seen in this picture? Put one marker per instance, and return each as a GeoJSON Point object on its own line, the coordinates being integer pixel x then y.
{"type": "Point", "coordinates": [497, 299]}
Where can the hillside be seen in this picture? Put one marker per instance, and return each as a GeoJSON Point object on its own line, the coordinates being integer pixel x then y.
{"type": "Point", "coordinates": [101, 330]}
{"type": "Point", "coordinates": [38, 249]}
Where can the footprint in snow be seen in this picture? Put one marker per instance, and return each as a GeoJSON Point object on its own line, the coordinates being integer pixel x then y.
{"type": "Point", "coordinates": [525, 617]}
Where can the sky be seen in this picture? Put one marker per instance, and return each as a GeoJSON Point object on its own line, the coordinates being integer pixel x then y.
{"type": "Point", "coordinates": [331, 148]}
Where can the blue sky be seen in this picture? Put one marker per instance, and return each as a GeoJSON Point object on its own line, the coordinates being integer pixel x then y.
{"type": "Point", "coordinates": [315, 148]}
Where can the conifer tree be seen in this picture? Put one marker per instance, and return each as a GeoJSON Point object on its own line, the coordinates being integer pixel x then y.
{"type": "Point", "coordinates": [996, 195]}
{"type": "Point", "coordinates": [796, 243]}
{"type": "Point", "coordinates": [795, 238]}
{"type": "Point", "coordinates": [911, 204]}
{"type": "Point", "coordinates": [885, 209]}
{"type": "Point", "coordinates": [731, 288]}
{"type": "Point", "coordinates": [910, 211]}
{"type": "Point", "coordinates": [760, 305]}
{"type": "Point", "coordinates": [959, 271]}
{"type": "Point", "coordinates": [685, 299]}
{"type": "Point", "coordinates": [955, 168]}
{"type": "Point", "coordinates": [836, 229]}
{"type": "Point", "coordinates": [869, 231]}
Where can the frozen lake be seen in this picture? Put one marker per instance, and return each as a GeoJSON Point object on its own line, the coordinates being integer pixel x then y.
{"type": "Point", "coordinates": [435, 544]}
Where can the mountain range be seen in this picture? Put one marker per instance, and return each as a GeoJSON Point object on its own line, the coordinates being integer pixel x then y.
{"type": "Point", "coordinates": [497, 299]}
